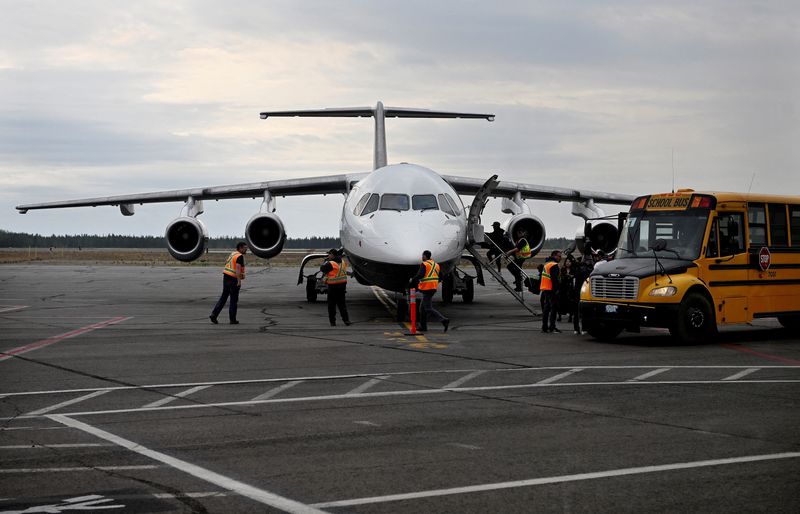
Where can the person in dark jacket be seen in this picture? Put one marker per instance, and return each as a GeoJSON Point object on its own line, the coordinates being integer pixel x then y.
{"type": "Point", "coordinates": [548, 285]}
{"type": "Point", "coordinates": [582, 271]}
{"type": "Point", "coordinates": [521, 252]}
{"type": "Point", "coordinates": [232, 276]}
{"type": "Point", "coordinates": [498, 243]}
{"type": "Point", "coordinates": [335, 271]}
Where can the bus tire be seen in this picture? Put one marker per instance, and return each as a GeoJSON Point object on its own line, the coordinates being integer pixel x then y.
{"type": "Point", "coordinates": [311, 289]}
{"type": "Point", "coordinates": [603, 331]}
{"type": "Point", "coordinates": [790, 322]}
{"type": "Point", "coordinates": [695, 321]}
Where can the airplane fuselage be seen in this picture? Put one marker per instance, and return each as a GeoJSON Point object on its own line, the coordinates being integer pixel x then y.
{"type": "Point", "coordinates": [395, 213]}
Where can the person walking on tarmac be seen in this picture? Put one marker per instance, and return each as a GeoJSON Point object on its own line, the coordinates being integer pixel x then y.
{"type": "Point", "coordinates": [548, 287]}
{"type": "Point", "coordinates": [582, 272]}
{"type": "Point", "coordinates": [232, 276]}
{"type": "Point", "coordinates": [427, 281]}
{"type": "Point", "coordinates": [521, 252]}
{"type": "Point", "coordinates": [335, 271]}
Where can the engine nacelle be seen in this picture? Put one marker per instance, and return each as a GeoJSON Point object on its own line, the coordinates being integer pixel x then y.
{"type": "Point", "coordinates": [597, 236]}
{"type": "Point", "coordinates": [186, 238]}
{"type": "Point", "coordinates": [532, 225]}
{"type": "Point", "coordinates": [265, 235]}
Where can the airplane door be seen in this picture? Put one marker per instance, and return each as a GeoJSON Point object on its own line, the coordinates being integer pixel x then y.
{"type": "Point", "coordinates": [474, 227]}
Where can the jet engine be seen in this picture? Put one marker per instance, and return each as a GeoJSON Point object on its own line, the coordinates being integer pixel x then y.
{"type": "Point", "coordinates": [265, 235]}
{"type": "Point", "coordinates": [597, 236]}
{"type": "Point", "coordinates": [186, 238]}
{"type": "Point", "coordinates": [532, 225]}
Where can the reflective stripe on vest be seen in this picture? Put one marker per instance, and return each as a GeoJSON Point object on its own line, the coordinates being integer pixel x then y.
{"type": "Point", "coordinates": [546, 283]}
{"type": "Point", "coordinates": [525, 253]}
{"type": "Point", "coordinates": [232, 268]}
{"type": "Point", "coordinates": [431, 279]}
{"type": "Point", "coordinates": [337, 275]}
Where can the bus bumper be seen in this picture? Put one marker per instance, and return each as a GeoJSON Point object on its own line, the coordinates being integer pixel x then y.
{"type": "Point", "coordinates": [629, 317]}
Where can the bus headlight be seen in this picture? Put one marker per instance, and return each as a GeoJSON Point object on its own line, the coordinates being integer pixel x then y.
{"type": "Point", "coordinates": [664, 291]}
{"type": "Point", "coordinates": [585, 287]}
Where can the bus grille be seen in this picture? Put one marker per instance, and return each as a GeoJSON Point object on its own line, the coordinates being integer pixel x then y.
{"type": "Point", "coordinates": [621, 288]}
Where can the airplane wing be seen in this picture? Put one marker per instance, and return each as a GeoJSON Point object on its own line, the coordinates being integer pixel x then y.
{"type": "Point", "coordinates": [470, 186]}
{"type": "Point", "coordinates": [291, 187]}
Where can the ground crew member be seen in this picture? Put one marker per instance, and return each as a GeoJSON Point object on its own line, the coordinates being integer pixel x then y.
{"type": "Point", "coordinates": [232, 276]}
{"type": "Point", "coordinates": [427, 281]}
{"type": "Point", "coordinates": [335, 271]}
{"type": "Point", "coordinates": [548, 287]}
{"type": "Point", "coordinates": [521, 252]}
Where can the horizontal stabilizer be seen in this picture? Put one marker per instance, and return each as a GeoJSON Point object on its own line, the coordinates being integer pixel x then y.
{"type": "Point", "coordinates": [368, 112]}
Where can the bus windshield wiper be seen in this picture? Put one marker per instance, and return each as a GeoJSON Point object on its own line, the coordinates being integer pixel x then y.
{"type": "Point", "coordinates": [659, 246]}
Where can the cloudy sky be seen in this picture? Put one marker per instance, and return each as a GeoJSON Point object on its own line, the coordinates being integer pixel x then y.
{"type": "Point", "coordinates": [102, 98]}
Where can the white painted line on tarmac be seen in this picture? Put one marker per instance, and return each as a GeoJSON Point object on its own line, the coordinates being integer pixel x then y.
{"type": "Point", "coordinates": [366, 385]}
{"type": "Point", "coordinates": [167, 496]}
{"type": "Point", "coordinates": [742, 373]}
{"type": "Point", "coordinates": [558, 377]}
{"type": "Point", "coordinates": [277, 390]}
{"type": "Point", "coordinates": [182, 394]}
{"type": "Point", "coordinates": [66, 403]}
{"type": "Point", "coordinates": [464, 379]}
{"type": "Point", "coordinates": [363, 375]}
{"type": "Point", "coordinates": [37, 445]}
{"type": "Point", "coordinates": [465, 446]}
{"type": "Point", "coordinates": [649, 374]}
{"type": "Point", "coordinates": [259, 495]}
{"type": "Point", "coordinates": [411, 392]}
{"type": "Point", "coordinates": [554, 480]}
{"type": "Point", "coordinates": [367, 423]}
{"type": "Point", "coordinates": [77, 468]}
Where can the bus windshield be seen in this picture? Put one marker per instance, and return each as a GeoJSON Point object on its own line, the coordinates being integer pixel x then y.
{"type": "Point", "coordinates": [682, 230]}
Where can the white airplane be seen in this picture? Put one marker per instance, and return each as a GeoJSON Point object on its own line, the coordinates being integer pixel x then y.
{"type": "Point", "coordinates": [390, 214]}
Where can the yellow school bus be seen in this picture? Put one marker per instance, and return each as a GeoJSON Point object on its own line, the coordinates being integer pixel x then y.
{"type": "Point", "coordinates": [692, 261]}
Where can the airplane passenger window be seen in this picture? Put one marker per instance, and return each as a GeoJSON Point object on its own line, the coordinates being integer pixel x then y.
{"type": "Point", "coordinates": [445, 205]}
{"type": "Point", "coordinates": [456, 208]}
{"type": "Point", "coordinates": [360, 205]}
{"type": "Point", "coordinates": [394, 202]}
{"type": "Point", "coordinates": [372, 205]}
{"type": "Point", "coordinates": [424, 202]}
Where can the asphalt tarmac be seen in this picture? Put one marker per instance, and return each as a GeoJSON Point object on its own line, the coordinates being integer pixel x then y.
{"type": "Point", "coordinates": [118, 394]}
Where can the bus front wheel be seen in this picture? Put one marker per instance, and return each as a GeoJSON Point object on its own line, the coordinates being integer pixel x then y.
{"type": "Point", "coordinates": [695, 321]}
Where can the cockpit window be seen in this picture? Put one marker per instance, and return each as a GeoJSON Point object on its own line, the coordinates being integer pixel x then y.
{"type": "Point", "coordinates": [372, 205]}
{"type": "Point", "coordinates": [424, 202]}
{"type": "Point", "coordinates": [445, 205]}
{"type": "Point", "coordinates": [360, 205]}
{"type": "Point", "coordinates": [394, 202]}
{"type": "Point", "coordinates": [456, 208]}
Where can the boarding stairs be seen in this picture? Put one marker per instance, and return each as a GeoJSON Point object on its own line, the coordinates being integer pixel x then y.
{"type": "Point", "coordinates": [475, 236]}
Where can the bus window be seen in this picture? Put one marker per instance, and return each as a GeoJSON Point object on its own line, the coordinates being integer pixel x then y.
{"type": "Point", "coordinates": [757, 222]}
{"type": "Point", "coordinates": [712, 250]}
{"type": "Point", "coordinates": [794, 224]}
{"type": "Point", "coordinates": [778, 235]}
{"type": "Point", "coordinates": [731, 237]}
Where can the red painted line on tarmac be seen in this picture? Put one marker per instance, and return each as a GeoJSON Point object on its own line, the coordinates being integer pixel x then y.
{"type": "Point", "coordinates": [777, 358]}
{"type": "Point", "coordinates": [9, 308]}
{"type": "Point", "coordinates": [52, 340]}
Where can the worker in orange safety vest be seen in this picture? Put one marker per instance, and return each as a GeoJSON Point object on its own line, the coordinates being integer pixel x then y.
{"type": "Point", "coordinates": [427, 282]}
{"type": "Point", "coordinates": [548, 288]}
{"type": "Point", "coordinates": [335, 270]}
{"type": "Point", "coordinates": [232, 276]}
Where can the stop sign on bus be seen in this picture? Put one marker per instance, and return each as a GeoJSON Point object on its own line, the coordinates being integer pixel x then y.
{"type": "Point", "coordinates": [764, 258]}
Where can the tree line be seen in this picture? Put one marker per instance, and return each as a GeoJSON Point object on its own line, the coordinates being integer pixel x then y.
{"type": "Point", "coordinates": [24, 240]}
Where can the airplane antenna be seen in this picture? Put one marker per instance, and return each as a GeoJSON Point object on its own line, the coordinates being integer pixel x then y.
{"type": "Point", "coordinates": [751, 182]}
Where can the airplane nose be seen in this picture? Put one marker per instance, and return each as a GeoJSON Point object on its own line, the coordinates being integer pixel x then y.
{"type": "Point", "coordinates": [443, 241]}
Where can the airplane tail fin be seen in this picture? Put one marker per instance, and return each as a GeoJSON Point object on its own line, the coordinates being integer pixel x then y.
{"type": "Point", "coordinates": [380, 113]}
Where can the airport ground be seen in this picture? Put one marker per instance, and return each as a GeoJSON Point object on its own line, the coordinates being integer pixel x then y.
{"type": "Point", "coordinates": [117, 391]}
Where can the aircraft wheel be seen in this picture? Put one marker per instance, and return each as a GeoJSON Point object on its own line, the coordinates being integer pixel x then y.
{"type": "Point", "coordinates": [447, 289]}
{"type": "Point", "coordinates": [469, 290]}
{"type": "Point", "coordinates": [402, 309]}
{"type": "Point", "coordinates": [311, 289]}
{"type": "Point", "coordinates": [695, 321]}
